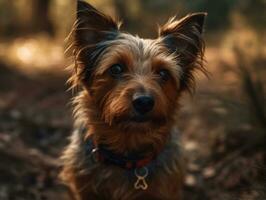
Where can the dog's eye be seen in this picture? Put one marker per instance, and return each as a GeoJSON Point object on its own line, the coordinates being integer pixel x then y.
{"type": "Point", "coordinates": [164, 74]}
{"type": "Point", "coordinates": [116, 70]}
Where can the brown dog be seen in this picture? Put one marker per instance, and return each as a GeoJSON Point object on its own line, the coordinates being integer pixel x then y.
{"type": "Point", "coordinates": [125, 144]}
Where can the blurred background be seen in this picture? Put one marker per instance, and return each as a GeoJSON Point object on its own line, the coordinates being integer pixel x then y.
{"type": "Point", "coordinates": [223, 124]}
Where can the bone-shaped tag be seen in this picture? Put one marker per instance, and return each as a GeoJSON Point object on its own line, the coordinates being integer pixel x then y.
{"type": "Point", "coordinates": [141, 174]}
{"type": "Point", "coordinates": [141, 184]}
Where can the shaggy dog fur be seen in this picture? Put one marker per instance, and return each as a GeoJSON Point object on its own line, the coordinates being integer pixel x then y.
{"type": "Point", "coordinates": [114, 69]}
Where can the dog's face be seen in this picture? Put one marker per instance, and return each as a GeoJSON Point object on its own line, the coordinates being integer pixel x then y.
{"type": "Point", "coordinates": [135, 83]}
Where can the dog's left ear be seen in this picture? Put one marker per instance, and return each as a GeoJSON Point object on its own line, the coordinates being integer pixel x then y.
{"type": "Point", "coordinates": [184, 38]}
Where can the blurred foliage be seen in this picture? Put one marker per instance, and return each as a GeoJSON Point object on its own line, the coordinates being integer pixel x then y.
{"type": "Point", "coordinates": [220, 11]}
{"type": "Point", "coordinates": [27, 17]}
{"type": "Point", "coordinates": [55, 16]}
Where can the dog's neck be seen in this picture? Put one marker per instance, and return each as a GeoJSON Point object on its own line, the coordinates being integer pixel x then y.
{"type": "Point", "coordinates": [128, 142]}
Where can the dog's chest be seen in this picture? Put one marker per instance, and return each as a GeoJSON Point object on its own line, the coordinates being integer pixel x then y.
{"type": "Point", "coordinates": [162, 180]}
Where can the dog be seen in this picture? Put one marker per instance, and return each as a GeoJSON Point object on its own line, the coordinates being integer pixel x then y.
{"type": "Point", "coordinates": [125, 142]}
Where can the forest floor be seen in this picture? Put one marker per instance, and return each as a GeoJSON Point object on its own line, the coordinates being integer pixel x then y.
{"type": "Point", "coordinates": [225, 157]}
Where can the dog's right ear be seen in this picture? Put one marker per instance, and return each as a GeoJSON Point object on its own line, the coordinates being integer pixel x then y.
{"type": "Point", "coordinates": [91, 31]}
{"type": "Point", "coordinates": [92, 25]}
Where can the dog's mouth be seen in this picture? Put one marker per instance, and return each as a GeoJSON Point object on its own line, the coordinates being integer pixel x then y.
{"type": "Point", "coordinates": [140, 123]}
{"type": "Point", "coordinates": [145, 119]}
{"type": "Point", "coordinates": [140, 118]}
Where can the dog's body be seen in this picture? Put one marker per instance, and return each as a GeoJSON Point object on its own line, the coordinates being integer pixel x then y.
{"type": "Point", "coordinates": [94, 180]}
{"type": "Point", "coordinates": [125, 142]}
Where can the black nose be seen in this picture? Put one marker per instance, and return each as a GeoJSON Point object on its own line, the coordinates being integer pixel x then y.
{"type": "Point", "coordinates": [143, 103]}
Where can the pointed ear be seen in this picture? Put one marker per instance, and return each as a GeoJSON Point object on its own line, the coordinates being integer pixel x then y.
{"type": "Point", "coordinates": [92, 25]}
{"type": "Point", "coordinates": [184, 38]}
{"type": "Point", "coordinates": [91, 35]}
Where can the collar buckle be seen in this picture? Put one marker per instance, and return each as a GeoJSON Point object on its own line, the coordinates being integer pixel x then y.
{"type": "Point", "coordinates": [94, 155]}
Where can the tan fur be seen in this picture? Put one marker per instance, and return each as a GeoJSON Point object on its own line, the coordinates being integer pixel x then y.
{"type": "Point", "coordinates": [103, 107]}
